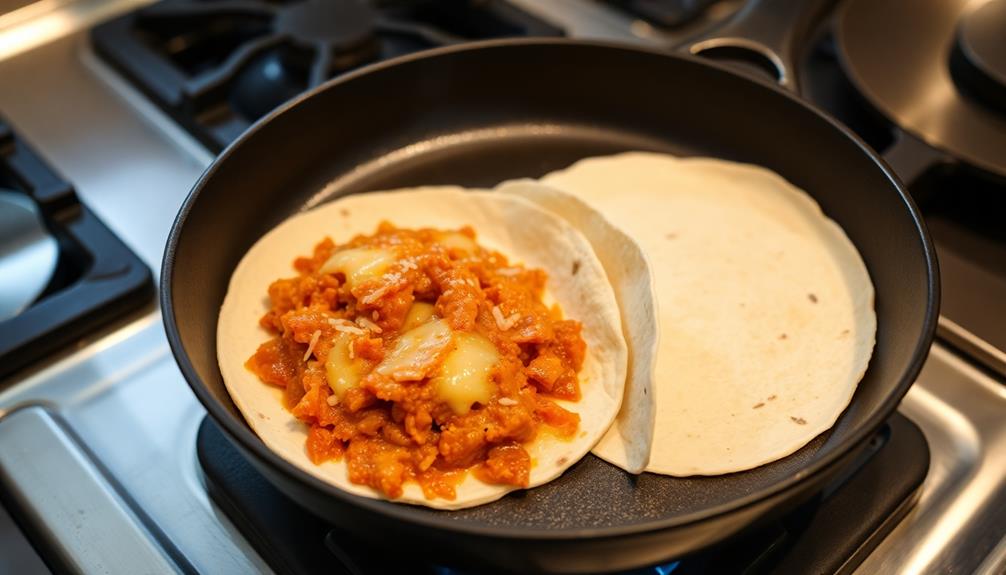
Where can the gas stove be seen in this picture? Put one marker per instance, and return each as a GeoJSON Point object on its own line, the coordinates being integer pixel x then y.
{"type": "Point", "coordinates": [216, 67]}
{"type": "Point", "coordinates": [108, 462]}
{"type": "Point", "coordinates": [80, 272]}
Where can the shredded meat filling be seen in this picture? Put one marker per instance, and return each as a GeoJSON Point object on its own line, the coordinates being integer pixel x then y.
{"type": "Point", "coordinates": [416, 420]}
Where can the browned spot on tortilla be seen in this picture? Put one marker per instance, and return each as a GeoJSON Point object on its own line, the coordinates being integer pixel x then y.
{"type": "Point", "coordinates": [344, 212]}
{"type": "Point", "coordinates": [812, 298]}
{"type": "Point", "coordinates": [771, 398]}
{"type": "Point", "coordinates": [783, 336]}
{"type": "Point", "coordinates": [844, 333]}
{"type": "Point", "coordinates": [671, 235]}
{"type": "Point", "coordinates": [576, 266]}
{"type": "Point", "coordinates": [261, 415]}
{"type": "Point", "coordinates": [798, 420]}
{"type": "Point", "coordinates": [562, 461]}
{"type": "Point", "coordinates": [758, 405]}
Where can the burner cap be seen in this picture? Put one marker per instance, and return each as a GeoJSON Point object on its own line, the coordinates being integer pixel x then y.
{"type": "Point", "coordinates": [896, 53]}
{"type": "Point", "coordinates": [978, 62]}
{"type": "Point", "coordinates": [267, 81]}
{"type": "Point", "coordinates": [28, 254]}
{"type": "Point", "coordinates": [324, 37]}
{"type": "Point", "coordinates": [339, 24]}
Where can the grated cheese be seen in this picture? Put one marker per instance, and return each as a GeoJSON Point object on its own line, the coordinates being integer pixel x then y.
{"type": "Point", "coordinates": [367, 324]}
{"type": "Point", "coordinates": [349, 328]}
{"type": "Point", "coordinates": [332, 400]}
{"type": "Point", "coordinates": [507, 401]}
{"type": "Point", "coordinates": [504, 323]}
{"type": "Point", "coordinates": [375, 295]}
{"type": "Point", "coordinates": [314, 341]}
{"type": "Point", "coordinates": [498, 316]}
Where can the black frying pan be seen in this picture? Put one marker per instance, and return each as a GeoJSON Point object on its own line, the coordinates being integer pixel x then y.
{"type": "Point", "coordinates": [481, 113]}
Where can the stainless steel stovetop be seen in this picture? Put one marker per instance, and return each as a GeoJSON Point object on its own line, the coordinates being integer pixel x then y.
{"type": "Point", "coordinates": [107, 459]}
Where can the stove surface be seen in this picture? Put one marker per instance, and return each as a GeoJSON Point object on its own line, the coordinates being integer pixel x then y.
{"type": "Point", "coordinates": [113, 410]}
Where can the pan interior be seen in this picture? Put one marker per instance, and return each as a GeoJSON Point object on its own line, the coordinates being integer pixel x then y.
{"type": "Point", "coordinates": [458, 131]}
{"type": "Point", "coordinates": [569, 502]}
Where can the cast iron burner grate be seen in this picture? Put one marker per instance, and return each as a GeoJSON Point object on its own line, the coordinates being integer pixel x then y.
{"type": "Point", "coordinates": [665, 13]}
{"type": "Point", "coordinates": [96, 277]}
{"type": "Point", "coordinates": [831, 534]}
{"type": "Point", "coordinates": [216, 66]}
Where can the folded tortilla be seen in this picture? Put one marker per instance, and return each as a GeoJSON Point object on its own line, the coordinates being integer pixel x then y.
{"type": "Point", "coordinates": [514, 226]}
{"type": "Point", "coordinates": [628, 442]}
{"type": "Point", "coordinates": [765, 306]}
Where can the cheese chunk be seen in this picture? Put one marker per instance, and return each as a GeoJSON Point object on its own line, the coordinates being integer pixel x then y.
{"type": "Point", "coordinates": [417, 352]}
{"type": "Point", "coordinates": [464, 377]}
{"type": "Point", "coordinates": [420, 313]}
{"type": "Point", "coordinates": [359, 265]}
{"type": "Point", "coordinates": [343, 371]}
{"type": "Point", "coordinates": [456, 241]}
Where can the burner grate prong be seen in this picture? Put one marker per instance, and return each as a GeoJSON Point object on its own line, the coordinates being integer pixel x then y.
{"type": "Point", "coordinates": [421, 31]}
{"type": "Point", "coordinates": [321, 68]}
{"type": "Point", "coordinates": [208, 82]}
{"type": "Point", "coordinates": [177, 10]}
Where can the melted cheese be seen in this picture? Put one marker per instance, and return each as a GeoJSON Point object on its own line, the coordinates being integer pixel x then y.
{"type": "Point", "coordinates": [417, 352]}
{"type": "Point", "coordinates": [420, 313]}
{"type": "Point", "coordinates": [456, 241]}
{"type": "Point", "coordinates": [343, 372]}
{"type": "Point", "coordinates": [464, 377]}
{"type": "Point", "coordinates": [359, 265]}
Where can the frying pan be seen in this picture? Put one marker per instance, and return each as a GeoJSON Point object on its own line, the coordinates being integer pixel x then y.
{"type": "Point", "coordinates": [477, 114]}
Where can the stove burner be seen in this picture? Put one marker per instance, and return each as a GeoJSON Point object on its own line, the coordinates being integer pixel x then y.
{"type": "Point", "coordinates": [978, 61]}
{"type": "Point", "coordinates": [326, 37]}
{"type": "Point", "coordinates": [89, 275]}
{"type": "Point", "coordinates": [830, 534]}
{"type": "Point", "coordinates": [338, 25]}
{"type": "Point", "coordinates": [216, 66]}
{"type": "Point", "coordinates": [269, 80]}
{"type": "Point", "coordinates": [28, 254]}
{"type": "Point", "coordinates": [898, 52]}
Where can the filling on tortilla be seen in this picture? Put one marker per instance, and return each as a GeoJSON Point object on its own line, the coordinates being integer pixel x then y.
{"type": "Point", "coordinates": [418, 355]}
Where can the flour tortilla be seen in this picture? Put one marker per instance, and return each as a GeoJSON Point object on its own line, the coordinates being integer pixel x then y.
{"type": "Point", "coordinates": [766, 308]}
{"type": "Point", "coordinates": [515, 227]}
{"type": "Point", "coordinates": [628, 442]}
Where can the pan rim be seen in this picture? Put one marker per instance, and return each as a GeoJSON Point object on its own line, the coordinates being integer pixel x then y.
{"type": "Point", "coordinates": [248, 441]}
